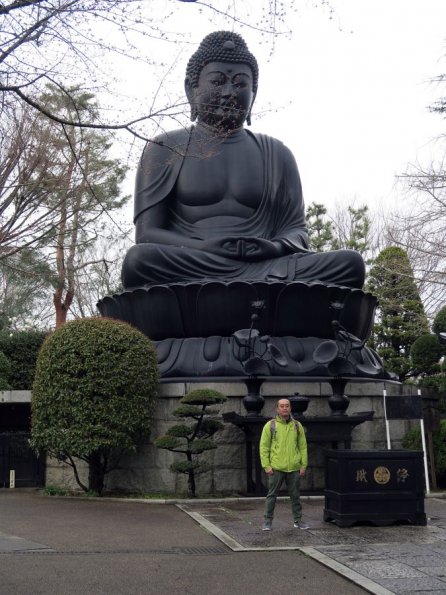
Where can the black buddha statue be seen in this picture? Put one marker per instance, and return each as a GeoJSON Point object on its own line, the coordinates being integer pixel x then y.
{"type": "Point", "coordinates": [219, 202]}
{"type": "Point", "coordinates": [220, 230]}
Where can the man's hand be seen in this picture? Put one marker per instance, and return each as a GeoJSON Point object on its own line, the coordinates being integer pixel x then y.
{"type": "Point", "coordinates": [269, 470]}
{"type": "Point", "coordinates": [302, 472]}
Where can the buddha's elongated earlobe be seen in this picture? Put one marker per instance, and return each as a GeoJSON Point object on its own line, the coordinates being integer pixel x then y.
{"type": "Point", "coordinates": [248, 117]}
{"type": "Point", "coordinates": [191, 99]}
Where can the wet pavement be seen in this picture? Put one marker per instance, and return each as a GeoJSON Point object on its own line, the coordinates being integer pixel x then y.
{"type": "Point", "coordinates": [91, 546]}
{"type": "Point", "coordinates": [78, 546]}
{"type": "Point", "coordinates": [401, 558]}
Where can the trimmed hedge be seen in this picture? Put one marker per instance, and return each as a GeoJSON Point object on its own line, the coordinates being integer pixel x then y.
{"type": "Point", "coordinates": [5, 372]}
{"type": "Point", "coordinates": [21, 348]}
{"type": "Point", "coordinates": [94, 391]}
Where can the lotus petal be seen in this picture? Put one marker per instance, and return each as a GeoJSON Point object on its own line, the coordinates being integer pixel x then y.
{"type": "Point", "coordinates": [277, 355]}
{"type": "Point", "coordinates": [368, 369]}
{"type": "Point", "coordinates": [244, 335]}
{"type": "Point", "coordinates": [326, 352]}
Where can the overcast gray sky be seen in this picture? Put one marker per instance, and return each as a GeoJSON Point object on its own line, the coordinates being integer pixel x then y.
{"type": "Point", "coordinates": [348, 94]}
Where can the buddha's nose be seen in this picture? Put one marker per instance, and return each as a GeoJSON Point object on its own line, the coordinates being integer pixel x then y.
{"type": "Point", "coordinates": [227, 90]}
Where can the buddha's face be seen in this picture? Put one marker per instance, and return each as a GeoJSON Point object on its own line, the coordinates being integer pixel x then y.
{"type": "Point", "coordinates": [224, 95]}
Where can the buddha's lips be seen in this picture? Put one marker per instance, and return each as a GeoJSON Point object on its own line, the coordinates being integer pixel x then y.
{"type": "Point", "coordinates": [229, 107]}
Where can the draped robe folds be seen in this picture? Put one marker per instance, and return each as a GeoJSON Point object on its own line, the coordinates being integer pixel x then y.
{"type": "Point", "coordinates": [280, 216]}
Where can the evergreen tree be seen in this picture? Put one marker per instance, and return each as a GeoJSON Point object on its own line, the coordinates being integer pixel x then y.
{"type": "Point", "coordinates": [352, 229]}
{"type": "Point", "coordinates": [193, 437]}
{"type": "Point", "coordinates": [320, 228]}
{"type": "Point", "coordinates": [24, 281]}
{"type": "Point", "coordinates": [61, 190]}
{"type": "Point", "coordinates": [87, 185]}
{"type": "Point", "coordinates": [400, 317]}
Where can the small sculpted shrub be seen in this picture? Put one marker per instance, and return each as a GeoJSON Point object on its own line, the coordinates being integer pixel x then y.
{"type": "Point", "coordinates": [193, 437]}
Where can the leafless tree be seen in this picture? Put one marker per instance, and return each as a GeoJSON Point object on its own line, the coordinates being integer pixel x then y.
{"type": "Point", "coordinates": [421, 230]}
{"type": "Point", "coordinates": [29, 175]}
{"type": "Point", "coordinates": [72, 43]}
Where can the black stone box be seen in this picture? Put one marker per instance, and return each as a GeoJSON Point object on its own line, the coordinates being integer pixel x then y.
{"type": "Point", "coordinates": [377, 486]}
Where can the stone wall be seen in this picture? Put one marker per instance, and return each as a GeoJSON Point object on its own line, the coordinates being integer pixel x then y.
{"type": "Point", "coordinates": [148, 469]}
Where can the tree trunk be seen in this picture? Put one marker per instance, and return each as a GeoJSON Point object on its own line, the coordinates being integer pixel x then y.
{"type": "Point", "coordinates": [62, 306]}
{"type": "Point", "coordinates": [191, 478]}
{"type": "Point", "coordinates": [96, 473]}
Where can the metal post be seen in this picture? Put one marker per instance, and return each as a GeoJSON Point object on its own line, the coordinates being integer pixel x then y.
{"type": "Point", "coordinates": [423, 441]}
{"type": "Point", "coordinates": [389, 446]}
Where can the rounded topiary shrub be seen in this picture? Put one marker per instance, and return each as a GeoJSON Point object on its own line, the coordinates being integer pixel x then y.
{"type": "Point", "coordinates": [425, 354]}
{"type": "Point", "coordinates": [94, 394]}
{"type": "Point", "coordinates": [439, 325]}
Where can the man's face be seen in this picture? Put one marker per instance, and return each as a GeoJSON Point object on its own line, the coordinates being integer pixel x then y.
{"type": "Point", "coordinates": [224, 94]}
{"type": "Point", "coordinates": [284, 408]}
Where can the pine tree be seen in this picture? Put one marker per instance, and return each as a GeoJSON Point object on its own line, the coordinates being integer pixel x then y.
{"type": "Point", "coordinates": [193, 437]}
{"type": "Point", "coordinates": [320, 229]}
{"type": "Point", "coordinates": [400, 316]}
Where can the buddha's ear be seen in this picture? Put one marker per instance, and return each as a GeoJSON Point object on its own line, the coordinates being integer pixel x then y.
{"type": "Point", "coordinates": [190, 94]}
{"type": "Point", "coordinates": [248, 117]}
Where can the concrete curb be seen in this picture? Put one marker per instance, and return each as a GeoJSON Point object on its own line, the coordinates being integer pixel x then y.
{"type": "Point", "coordinates": [313, 553]}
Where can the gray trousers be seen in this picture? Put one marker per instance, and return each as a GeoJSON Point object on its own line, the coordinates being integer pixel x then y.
{"type": "Point", "coordinates": [275, 481]}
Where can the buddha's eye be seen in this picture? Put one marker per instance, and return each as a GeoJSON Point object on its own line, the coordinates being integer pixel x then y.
{"type": "Point", "coordinates": [217, 81]}
{"type": "Point", "coordinates": [240, 82]}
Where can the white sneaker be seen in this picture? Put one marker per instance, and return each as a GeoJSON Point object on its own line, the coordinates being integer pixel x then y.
{"type": "Point", "coordinates": [301, 525]}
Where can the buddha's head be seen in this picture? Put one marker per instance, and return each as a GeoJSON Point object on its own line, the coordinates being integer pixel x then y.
{"type": "Point", "coordinates": [221, 81]}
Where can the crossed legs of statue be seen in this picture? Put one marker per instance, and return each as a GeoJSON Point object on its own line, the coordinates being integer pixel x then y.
{"type": "Point", "coordinates": [148, 264]}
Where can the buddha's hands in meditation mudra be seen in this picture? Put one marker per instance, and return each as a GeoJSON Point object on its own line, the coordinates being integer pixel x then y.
{"type": "Point", "coordinates": [250, 249]}
{"type": "Point", "coordinates": [219, 202]}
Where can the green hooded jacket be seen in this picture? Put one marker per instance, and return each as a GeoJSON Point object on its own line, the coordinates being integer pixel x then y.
{"type": "Point", "coordinates": [286, 450]}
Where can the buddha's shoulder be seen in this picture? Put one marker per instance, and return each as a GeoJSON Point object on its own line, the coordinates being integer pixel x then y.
{"type": "Point", "coordinates": [272, 143]}
{"type": "Point", "coordinates": [174, 141]}
{"type": "Point", "coordinates": [268, 140]}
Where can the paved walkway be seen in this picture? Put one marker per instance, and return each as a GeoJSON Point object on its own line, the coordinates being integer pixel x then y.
{"type": "Point", "coordinates": [126, 547]}
{"type": "Point", "coordinates": [402, 559]}
{"type": "Point", "coordinates": [62, 546]}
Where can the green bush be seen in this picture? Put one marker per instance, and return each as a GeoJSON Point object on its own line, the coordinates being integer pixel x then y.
{"type": "Point", "coordinates": [21, 348]}
{"type": "Point", "coordinates": [439, 325]}
{"type": "Point", "coordinates": [5, 372]}
{"type": "Point", "coordinates": [425, 354]}
{"type": "Point", "coordinates": [94, 395]}
{"type": "Point", "coordinates": [412, 441]}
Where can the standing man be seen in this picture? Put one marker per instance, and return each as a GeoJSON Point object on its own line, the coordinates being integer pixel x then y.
{"type": "Point", "coordinates": [283, 455]}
